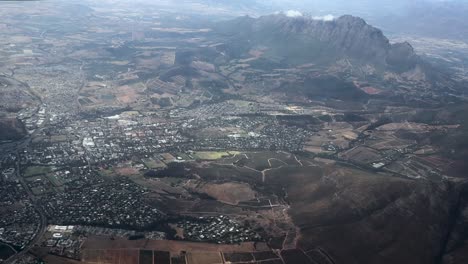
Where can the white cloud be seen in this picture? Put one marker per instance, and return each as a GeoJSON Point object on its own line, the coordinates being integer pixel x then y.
{"type": "Point", "coordinates": [324, 18]}
{"type": "Point", "coordinates": [293, 13]}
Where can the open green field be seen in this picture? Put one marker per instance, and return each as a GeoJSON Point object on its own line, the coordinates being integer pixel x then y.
{"type": "Point", "coordinates": [213, 155]}
{"type": "Point", "coordinates": [154, 163]}
{"type": "Point", "coordinates": [37, 170]}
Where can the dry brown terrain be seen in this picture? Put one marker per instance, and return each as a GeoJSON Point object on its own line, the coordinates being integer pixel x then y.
{"type": "Point", "coordinates": [165, 245]}
{"type": "Point", "coordinates": [204, 258]}
{"type": "Point", "coordinates": [230, 193]}
{"type": "Point", "coordinates": [373, 218]}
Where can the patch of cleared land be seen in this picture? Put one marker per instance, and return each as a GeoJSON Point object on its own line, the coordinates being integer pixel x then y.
{"type": "Point", "coordinates": [214, 155]}
{"type": "Point", "coordinates": [204, 258]}
{"type": "Point", "coordinates": [154, 163]}
{"type": "Point", "coordinates": [230, 193]}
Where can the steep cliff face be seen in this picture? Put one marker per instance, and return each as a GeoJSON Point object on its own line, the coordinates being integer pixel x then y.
{"type": "Point", "coordinates": [351, 36]}
{"type": "Point", "coordinates": [401, 57]}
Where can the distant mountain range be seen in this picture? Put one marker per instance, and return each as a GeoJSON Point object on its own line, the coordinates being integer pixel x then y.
{"type": "Point", "coordinates": [440, 19]}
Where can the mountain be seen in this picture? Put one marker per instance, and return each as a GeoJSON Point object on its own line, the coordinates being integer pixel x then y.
{"type": "Point", "coordinates": [301, 39]}
{"type": "Point", "coordinates": [347, 55]}
{"type": "Point", "coordinates": [281, 53]}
